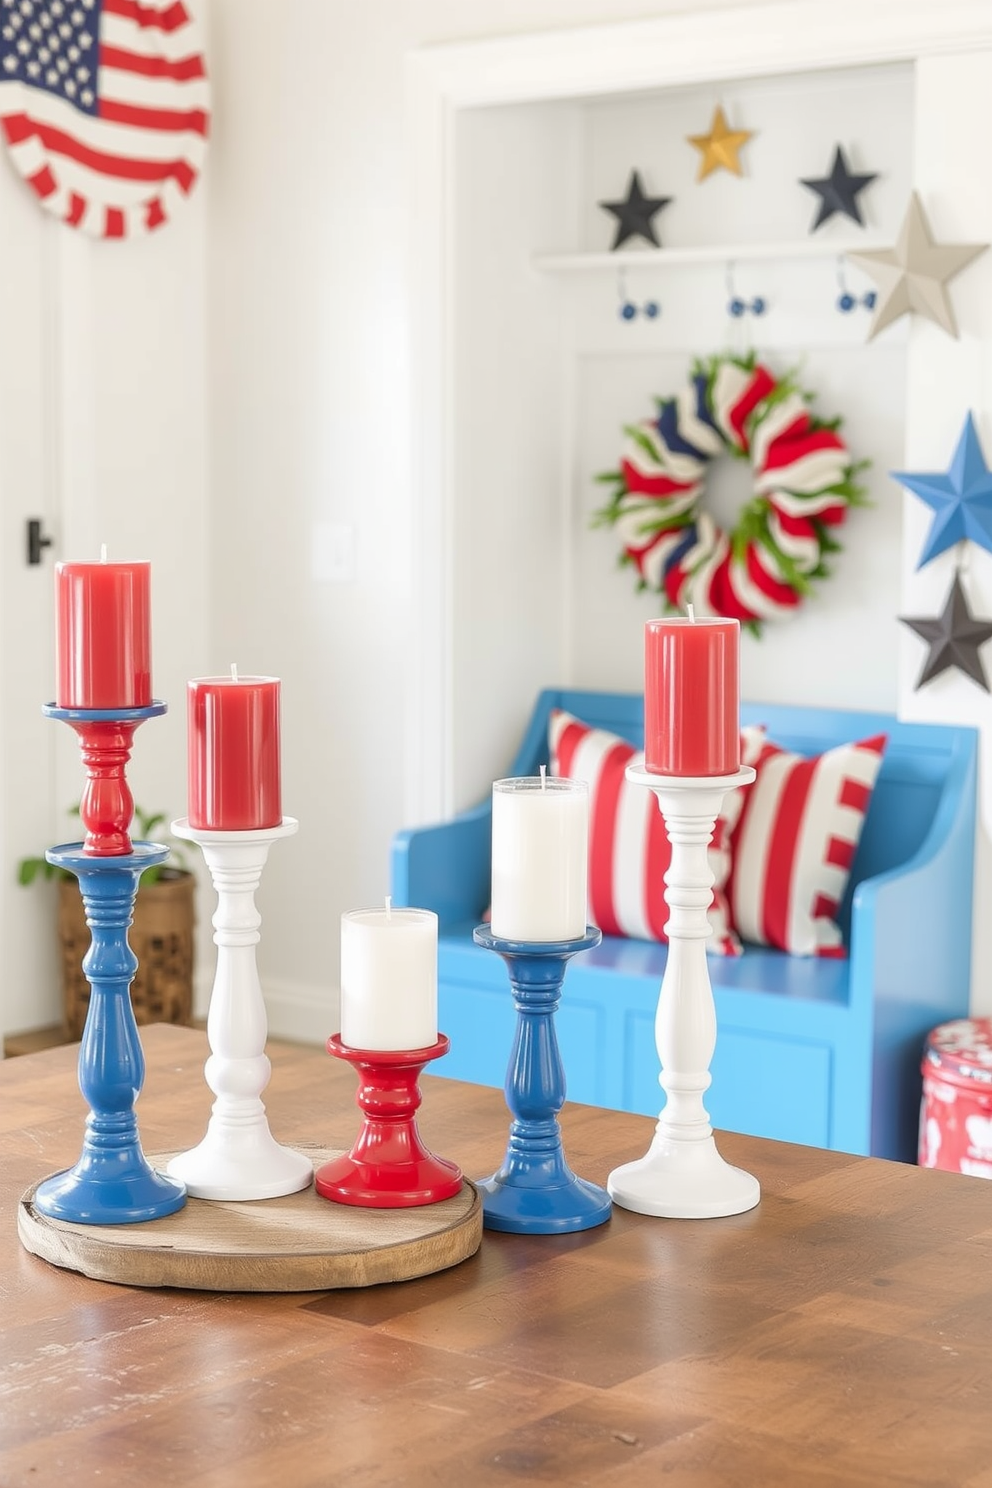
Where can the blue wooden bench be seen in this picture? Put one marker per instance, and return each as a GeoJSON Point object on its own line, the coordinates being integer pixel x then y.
{"type": "Point", "coordinates": [819, 1051]}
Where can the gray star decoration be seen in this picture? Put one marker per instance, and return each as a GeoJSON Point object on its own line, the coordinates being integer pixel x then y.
{"type": "Point", "coordinates": [635, 216]}
{"type": "Point", "coordinates": [953, 638]}
{"type": "Point", "coordinates": [839, 191]}
{"type": "Point", "coordinates": [912, 276]}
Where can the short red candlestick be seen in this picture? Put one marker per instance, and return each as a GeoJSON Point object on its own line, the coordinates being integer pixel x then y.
{"type": "Point", "coordinates": [107, 805]}
{"type": "Point", "coordinates": [105, 739]}
{"type": "Point", "coordinates": [388, 1167]}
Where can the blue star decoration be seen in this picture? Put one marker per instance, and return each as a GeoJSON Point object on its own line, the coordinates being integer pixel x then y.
{"type": "Point", "coordinates": [954, 638]}
{"type": "Point", "coordinates": [961, 497]}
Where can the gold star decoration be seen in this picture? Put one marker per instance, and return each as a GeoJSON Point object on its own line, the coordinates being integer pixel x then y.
{"type": "Point", "coordinates": [720, 147]}
{"type": "Point", "coordinates": [912, 277]}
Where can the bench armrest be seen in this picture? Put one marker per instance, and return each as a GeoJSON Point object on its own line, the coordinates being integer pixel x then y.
{"type": "Point", "coordinates": [911, 926]}
{"type": "Point", "coordinates": [911, 933]}
{"type": "Point", "coordinates": [445, 867]}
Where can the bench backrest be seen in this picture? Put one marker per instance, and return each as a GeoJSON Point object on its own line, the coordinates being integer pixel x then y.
{"type": "Point", "coordinates": [924, 764]}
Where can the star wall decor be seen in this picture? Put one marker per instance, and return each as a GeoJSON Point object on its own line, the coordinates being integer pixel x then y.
{"type": "Point", "coordinates": [635, 216]}
{"type": "Point", "coordinates": [839, 191]}
{"type": "Point", "coordinates": [720, 148]}
{"type": "Point", "coordinates": [954, 639]}
{"type": "Point", "coordinates": [961, 497]}
{"type": "Point", "coordinates": [912, 276]}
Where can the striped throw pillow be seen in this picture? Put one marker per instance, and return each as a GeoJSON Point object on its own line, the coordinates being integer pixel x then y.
{"type": "Point", "coordinates": [794, 841]}
{"type": "Point", "coordinates": [629, 852]}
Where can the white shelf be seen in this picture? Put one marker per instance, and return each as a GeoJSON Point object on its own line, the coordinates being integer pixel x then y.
{"type": "Point", "coordinates": [722, 253]}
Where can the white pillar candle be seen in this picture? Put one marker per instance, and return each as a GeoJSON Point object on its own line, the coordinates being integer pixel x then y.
{"type": "Point", "coordinates": [389, 979]}
{"type": "Point", "coordinates": [540, 858]}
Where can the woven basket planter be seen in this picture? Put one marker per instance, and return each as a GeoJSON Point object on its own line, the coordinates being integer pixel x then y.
{"type": "Point", "coordinates": [162, 939]}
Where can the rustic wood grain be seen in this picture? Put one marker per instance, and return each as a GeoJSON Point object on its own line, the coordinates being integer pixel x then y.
{"type": "Point", "coordinates": [838, 1336]}
{"type": "Point", "coordinates": [298, 1243]}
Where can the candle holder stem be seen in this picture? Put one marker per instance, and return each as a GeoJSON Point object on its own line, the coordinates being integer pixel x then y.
{"type": "Point", "coordinates": [388, 1167]}
{"type": "Point", "coordinates": [683, 1176]}
{"type": "Point", "coordinates": [535, 1192]}
{"type": "Point", "coordinates": [238, 1157]}
{"type": "Point", "coordinates": [112, 1182]}
{"type": "Point", "coordinates": [106, 736]}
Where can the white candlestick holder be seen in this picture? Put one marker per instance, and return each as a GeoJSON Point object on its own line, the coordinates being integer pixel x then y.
{"type": "Point", "coordinates": [238, 1157]}
{"type": "Point", "coordinates": [682, 1175]}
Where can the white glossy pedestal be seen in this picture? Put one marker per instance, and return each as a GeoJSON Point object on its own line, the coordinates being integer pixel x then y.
{"type": "Point", "coordinates": [238, 1158]}
{"type": "Point", "coordinates": [682, 1176]}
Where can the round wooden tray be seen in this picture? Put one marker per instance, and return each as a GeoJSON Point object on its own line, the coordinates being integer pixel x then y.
{"type": "Point", "coordinates": [299, 1243]}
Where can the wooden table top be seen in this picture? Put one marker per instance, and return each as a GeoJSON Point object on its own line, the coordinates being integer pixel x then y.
{"type": "Point", "coordinates": [840, 1333]}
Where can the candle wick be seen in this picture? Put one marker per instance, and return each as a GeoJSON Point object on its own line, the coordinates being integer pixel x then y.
{"type": "Point", "coordinates": [103, 552]}
{"type": "Point", "coordinates": [234, 671]}
{"type": "Point", "coordinates": [544, 777]}
{"type": "Point", "coordinates": [389, 907]}
{"type": "Point", "coordinates": [692, 614]}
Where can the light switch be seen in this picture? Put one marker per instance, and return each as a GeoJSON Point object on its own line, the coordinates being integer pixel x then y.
{"type": "Point", "coordinates": [332, 557]}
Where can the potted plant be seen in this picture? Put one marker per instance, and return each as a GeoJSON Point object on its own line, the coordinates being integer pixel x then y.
{"type": "Point", "coordinates": [161, 935]}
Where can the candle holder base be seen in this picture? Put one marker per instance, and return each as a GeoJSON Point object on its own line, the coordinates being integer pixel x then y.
{"type": "Point", "coordinates": [240, 1165]}
{"type": "Point", "coordinates": [388, 1167]}
{"type": "Point", "coordinates": [535, 1192]}
{"type": "Point", "coordinates": [685, 1181]}
{"type": "Point", "coordinates": [545, 1208]}
{"type": "Point", "coordinates": [109, 1188]}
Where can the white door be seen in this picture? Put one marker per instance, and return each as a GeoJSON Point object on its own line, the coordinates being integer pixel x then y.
{"type": "Point", "coordinates": [29, 458]}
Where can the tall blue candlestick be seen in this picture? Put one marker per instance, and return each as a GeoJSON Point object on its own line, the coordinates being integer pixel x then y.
{"type": "Point", "coordinates": [535, 1192]}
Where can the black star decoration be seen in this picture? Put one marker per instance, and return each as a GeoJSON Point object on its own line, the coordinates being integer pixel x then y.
{"type": "Point", "coordinates": [839, 191]}
{"type": "Point", "coordinates": [953, 639]}
{"type": "Point", "coordinates": [635, 216]}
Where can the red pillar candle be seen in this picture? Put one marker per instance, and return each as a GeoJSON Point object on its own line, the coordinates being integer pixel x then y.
{"type": "Point", "coordinates": [103, 635]}
{"type": "Point", "coordinates": [692, 697]}
{"type": "Point", "coordinates": [233, 753]}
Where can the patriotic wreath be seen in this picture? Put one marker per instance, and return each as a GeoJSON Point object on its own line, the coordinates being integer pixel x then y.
{"type": "Point", "coordinates": [804, 485]}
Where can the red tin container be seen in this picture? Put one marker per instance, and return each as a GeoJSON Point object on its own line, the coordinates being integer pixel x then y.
{"type": "Point", "coordinates": [956, 1114]}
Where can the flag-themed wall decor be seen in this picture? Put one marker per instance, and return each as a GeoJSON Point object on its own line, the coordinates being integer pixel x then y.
{"type": "Point", "coordinates": [104, 106]}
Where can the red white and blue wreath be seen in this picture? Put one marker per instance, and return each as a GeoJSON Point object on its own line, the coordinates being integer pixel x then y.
{"type": "Point", "coordinates": [804, 483]}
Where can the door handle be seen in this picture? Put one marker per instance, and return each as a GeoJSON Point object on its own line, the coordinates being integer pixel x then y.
{"type": "Point", "coordinates": [36, 541]}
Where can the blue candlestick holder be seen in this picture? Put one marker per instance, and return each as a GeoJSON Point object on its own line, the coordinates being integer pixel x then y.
{"type": "Point", "coordinates": [112, 1182]}
{"type": "Point", "coordinates": [535, 1192]}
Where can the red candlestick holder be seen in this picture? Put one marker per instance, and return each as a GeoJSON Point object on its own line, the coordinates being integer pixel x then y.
{"type": "Point", "coordinates": [388, 1167]}
{"type": "Point", "coordinates": [105, 739]}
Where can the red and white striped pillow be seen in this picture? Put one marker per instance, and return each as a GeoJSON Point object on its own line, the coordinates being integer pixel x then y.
{"type": "Point", "coordinates": [629, 852]}
{"type": "Point", "coordinates": [794, 841]}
